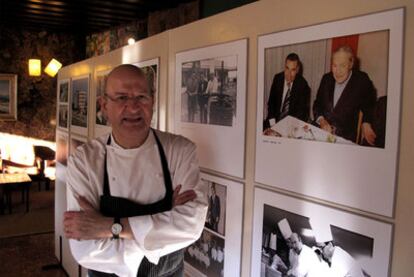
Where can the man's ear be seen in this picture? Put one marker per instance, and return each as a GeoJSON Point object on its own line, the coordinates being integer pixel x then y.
{"type": "Point", "coordinates": [102, 101]}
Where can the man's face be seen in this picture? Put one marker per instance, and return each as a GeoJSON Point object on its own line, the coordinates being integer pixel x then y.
{"type": "Point", "coordinates": [341, 66]}
{"type": "Point", "coordinates": [130, 119]}
{"type": "Point", "coordinates": [295, 243]}
{"type": "Point", "coordinates": [327, 250]}
{"type": "Point", "coordinates": [291, 69]}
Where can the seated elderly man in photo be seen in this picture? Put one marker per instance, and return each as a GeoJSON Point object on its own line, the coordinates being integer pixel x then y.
{"type": "Point", "coordinates": [289, 94]}
{"type": "Point", "coordinates": [126, 215]}
{"type": "Point", "coordinates": [343, 93]}
{"type": "Point", "coordinates": [303, 261]}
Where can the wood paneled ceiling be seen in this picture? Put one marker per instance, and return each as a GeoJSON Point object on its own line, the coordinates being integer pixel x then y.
{"type": "Point", "coordinates": [78, 16]}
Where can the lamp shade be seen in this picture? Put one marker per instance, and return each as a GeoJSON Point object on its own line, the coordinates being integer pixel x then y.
{"type": "Point", "coordinates": [35, 67]}
{"type": "Point", "coordinates": [53, 67]}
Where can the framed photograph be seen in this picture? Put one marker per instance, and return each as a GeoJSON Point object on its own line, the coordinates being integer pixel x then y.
{"type": "Point", "coordinates": [151, 71]}
{"type": "Point", "coordinates": [210, 95]}
{"type": "Point", "coordinates": [63, 116]}
{"type": "Point", "coordinates": [102, 126]}
{"type": "Point", "coordinates": [218, 251]}
{"type": "Point", "coordinates": [79, 105]}
{"type": "Point", "coordinates": [75, 142]}
{"type": "Point", "coordinates": [63, 91]}
{"type": "Point", "coordinates": [328, 109]}
{"type": "Point", "coordinates": [62, 147]}
{"type": "Point", "coordinates": [293, 236]}
{"type": "Point", "coordinates": [63, 104]}
{"type": "Point", "coordinates": [8, 96]}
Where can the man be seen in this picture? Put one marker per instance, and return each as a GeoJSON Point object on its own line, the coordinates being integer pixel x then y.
{"type": "Point", "coordinates": [129, 176]}
{"type": "Point", "coordinates": [303, 261]}
{"type": "Point", "coordinates": [341, 264]}
{"type": "Point", "coordinates": [191, 90]}
{"type": "Point", "coordinates": [342, 94]}
{"type": "Point", "coordinates": [289, 94]}
{"type": "Point", "coordinates": [202, 95]}
{"type": "Point", "coordinates": [214, 209]}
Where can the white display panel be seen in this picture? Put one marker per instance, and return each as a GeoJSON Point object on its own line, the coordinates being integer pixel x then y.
{"type": "Point", "coordinates": [358, 176]}
{"type": "Point", "coordinates": [367, 241]}
{"type": "Point", "coordinates": [213, 114]}
{"type": "Point", "coordinates": [218, 251]}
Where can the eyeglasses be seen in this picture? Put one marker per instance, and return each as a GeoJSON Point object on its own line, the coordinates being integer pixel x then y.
{"type": "Point", "coordinates": [122, 100]}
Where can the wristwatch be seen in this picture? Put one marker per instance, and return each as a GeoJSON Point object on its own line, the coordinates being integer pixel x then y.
{"type": "Point", "coordinates": [116, 228]}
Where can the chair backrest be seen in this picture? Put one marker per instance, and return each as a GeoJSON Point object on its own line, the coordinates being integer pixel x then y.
{"type": "Point", "coordinates": [44, 152]}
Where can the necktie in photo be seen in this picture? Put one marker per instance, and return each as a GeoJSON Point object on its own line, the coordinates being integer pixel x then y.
{"type": "Point", "coordinates": [285, 107]}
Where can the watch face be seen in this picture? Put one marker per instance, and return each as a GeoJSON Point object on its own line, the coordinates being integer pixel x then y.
{"type": "Point", "coordinates": [116, 228]}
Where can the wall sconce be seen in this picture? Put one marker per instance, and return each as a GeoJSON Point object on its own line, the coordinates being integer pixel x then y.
{"type": "Point", "coordinates": [52, 68]}
{"type": "Point", "coordinates": [35, 67]}
{"type": "Point", "coordinates": [131, 41]}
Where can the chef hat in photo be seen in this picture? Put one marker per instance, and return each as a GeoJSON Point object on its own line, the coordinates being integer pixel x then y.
{"type": "Point", "coordinates": [273, 240]}
{"type": "Point", "coordinates": [284, 228]}
{"type": "Point", "coordinates": [321, 230]}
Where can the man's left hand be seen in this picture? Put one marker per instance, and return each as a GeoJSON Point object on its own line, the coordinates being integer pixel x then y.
{"type": "Point", "coordinates": [87, 224]}
{"type": "Point", "coordinates": [368, 133]}
{"type": "Point", "coordinates": [182, 198]}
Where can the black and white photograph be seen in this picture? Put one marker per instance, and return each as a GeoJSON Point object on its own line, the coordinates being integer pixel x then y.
{"type": "Point", "coordinates": [331, 92]}
{"type": "Point", "coordinates": [216, 214]}
{"type": "Point", "coordinates": [293, 237]}
{"type": "Point", "coordinates": [79, 104]}
{"type": "Point", "coordinates": [208, 91]}
{"type": "Point", "coordinates": [100, 87]}
{"type": "Point", "coordinates": [217, 252]}
{"type": "Point", "coordinates": [8, 96]}
{"type": "Point", "coordinates": [206, 255]}
{"type": "Point", "coordinates": [151, 71]}
{"type": "Point", "coordinates": [210, 102]}
{"type": "Point", "coordinates": [63, 116]}
{"type": "Point", "coordinates": [64, 91]}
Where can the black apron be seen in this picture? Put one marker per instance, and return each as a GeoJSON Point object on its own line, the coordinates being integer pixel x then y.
{"type": "Point", "coordinates": [170, 265]}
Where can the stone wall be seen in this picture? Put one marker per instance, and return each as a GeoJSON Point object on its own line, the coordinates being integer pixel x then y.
{"type": "Point", "coordinates": [101, 43]}
{"type": "Point", "coordinates": [160, 21]}
{"type": "Point", "coordinates": [36, 110]}
{"type": "Point", "coordinates": [157, 22]}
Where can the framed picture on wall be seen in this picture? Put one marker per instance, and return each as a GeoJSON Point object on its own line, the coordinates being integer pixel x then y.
{"type": "Point", "coordinates": [63, 104]}
{"type": "Point", "coordinates": [328, 110]}
{"type": "Point", "coordinates": [293, 236]}
{"type": "Point", "coordinates": [8, 96]}
{"type": "Point", "coordinates": [218, 251]}
{"type": "Point", "coordinates": [210, 94]}
{"type": "Point", "coordinates": [79, 104]}
{"type": "Point", "coordinates": [151, 71]}
{"type": "Point", "coordinates": [102, 126]}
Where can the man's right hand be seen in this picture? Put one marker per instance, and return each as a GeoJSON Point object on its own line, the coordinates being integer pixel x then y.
{"type": "Point", "coordinates": [325, 125]}
{"type": "Point", "coordinates": [186, 196]}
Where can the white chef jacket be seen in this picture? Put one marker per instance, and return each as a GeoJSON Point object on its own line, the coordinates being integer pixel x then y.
{"type": "Point", "coordinates": [344, 265]}
{"type": "Point", "coordinates": [137, 174]}
{"type": "Point", "coordinates": [308, 264]}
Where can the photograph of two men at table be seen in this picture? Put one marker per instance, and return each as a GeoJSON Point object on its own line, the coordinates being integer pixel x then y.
{"type": "Point", "coordinates": [332, 90]}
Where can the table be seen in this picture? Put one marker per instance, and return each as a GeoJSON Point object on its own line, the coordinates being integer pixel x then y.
{"type": "Point", "coordinates": [292, 127]}
{"type": "Point", "coordinates": [10, 182]}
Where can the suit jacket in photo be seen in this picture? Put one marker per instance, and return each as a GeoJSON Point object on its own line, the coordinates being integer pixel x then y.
{"type": "Point", "coordinates": [299, 99]}
{"type": "Point", "coordinates": [358, 95]}
{"type": "Point", "coordinates": [214, 207]}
